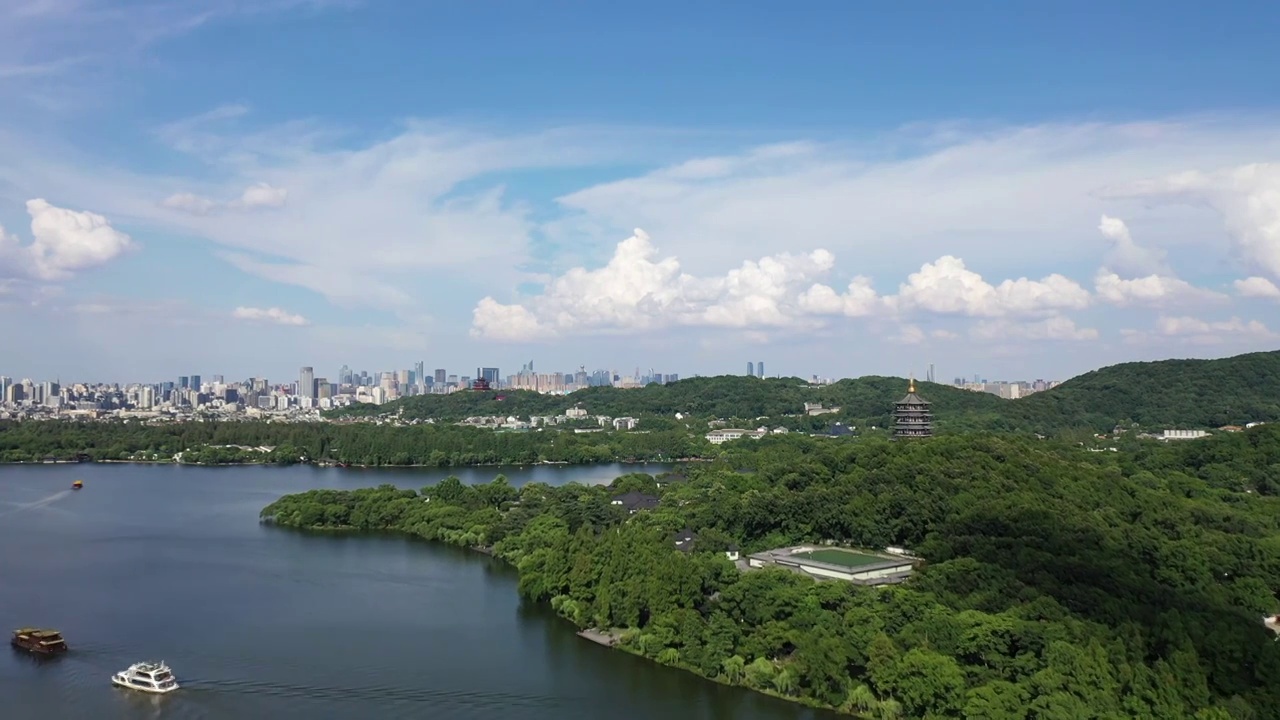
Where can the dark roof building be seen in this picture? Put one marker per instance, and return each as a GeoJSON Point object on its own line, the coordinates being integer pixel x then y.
{"type": "Point", "coordinates": [634, 501]}
{"type": "Point", "coordinates": [912, 416]}
{"type": "Point", "coordinates": [687, 540]}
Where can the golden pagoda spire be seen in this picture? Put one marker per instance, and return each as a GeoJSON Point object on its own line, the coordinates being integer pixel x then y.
{"type": "Point", "coordinates": [911, 385]}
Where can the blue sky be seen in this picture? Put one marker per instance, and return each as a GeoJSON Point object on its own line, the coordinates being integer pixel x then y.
{"type": "Point", "coordinates": [1017, 190]}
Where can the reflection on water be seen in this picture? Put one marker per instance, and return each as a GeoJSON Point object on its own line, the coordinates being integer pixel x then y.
{"type": "Point", "coordinates": [170, 563]}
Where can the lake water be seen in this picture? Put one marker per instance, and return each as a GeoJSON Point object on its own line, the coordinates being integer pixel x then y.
{"type": "Point", "coordinates": [170, 563]}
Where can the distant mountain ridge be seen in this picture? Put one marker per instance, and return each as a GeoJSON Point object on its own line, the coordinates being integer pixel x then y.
{"type": "Point", "coordinates": [1153, 395]}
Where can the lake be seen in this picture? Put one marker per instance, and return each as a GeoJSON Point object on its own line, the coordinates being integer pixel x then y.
{"type": "Point", "coordinates": [170, 563]}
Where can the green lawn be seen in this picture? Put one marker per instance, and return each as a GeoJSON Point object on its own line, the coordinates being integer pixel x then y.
{"type": "Point", "coordinates": [845, 558]}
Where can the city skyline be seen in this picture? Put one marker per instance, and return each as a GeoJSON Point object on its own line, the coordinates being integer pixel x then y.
{"type": "Point", "coordinates": [857, 203]}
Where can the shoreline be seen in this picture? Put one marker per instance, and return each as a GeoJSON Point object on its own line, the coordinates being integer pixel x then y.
{"type": "Point", "coordinates": [610, 639]}
{"type": "Point", "coordinates": [354, 466]}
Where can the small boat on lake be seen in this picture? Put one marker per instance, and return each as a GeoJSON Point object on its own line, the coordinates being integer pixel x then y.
{"type": "Point", "coordinates": [39, 642]}
{"type": "Point", "coordinates": [77, 485]}
{"type": "Point", "coordinates": [147, 677]}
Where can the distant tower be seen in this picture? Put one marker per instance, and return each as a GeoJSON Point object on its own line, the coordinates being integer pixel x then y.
{"type": "Point", "coordinates": [751, 369]}
{"type": "Point", "coordinates": [306, 383]}
{"type": "Point", "coordinates": [912, 417]}
{"type": "Point", "coordinates": [760, 369]}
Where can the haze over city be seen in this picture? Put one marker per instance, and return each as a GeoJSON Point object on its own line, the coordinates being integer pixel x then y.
{"type": "Point", "coordinates": [826, 194]}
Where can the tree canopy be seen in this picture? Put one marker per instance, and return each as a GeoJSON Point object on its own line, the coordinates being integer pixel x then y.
{"type": "Point", "coordinates": [1161, 394]}
{"type": "Point", "coordinates": [1057, 583]}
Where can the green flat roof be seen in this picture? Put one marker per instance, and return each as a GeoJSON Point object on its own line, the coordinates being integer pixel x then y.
{"type": "Point", "coordinates": [839, 556]}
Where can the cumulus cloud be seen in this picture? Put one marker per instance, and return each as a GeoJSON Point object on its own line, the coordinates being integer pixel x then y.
{"type": "Point", "coordinates": [259, 195]}
{"type": "Point", "coordinates": [268, 315]}
{"type": "Point", "coordinates": [64, 242]}
{"type": "Point", "coordinates": [638, 291]}
{"type": "Point", "coordinates": [1127, 256]}
{"type": "Point", "coordinates": [946, 286]}
{"type": "Point", "coordinates": [1257, 287]}
{"type": "Point", "coordinates": [1152, 290]}
{"type": "Point", "coordinates": [1248, 198]}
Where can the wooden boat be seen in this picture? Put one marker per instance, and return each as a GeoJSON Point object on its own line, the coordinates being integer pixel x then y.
{"type": "Point", "coordinates": [77, 485]}
{"type": "Point", "coordinates": [38, 641]}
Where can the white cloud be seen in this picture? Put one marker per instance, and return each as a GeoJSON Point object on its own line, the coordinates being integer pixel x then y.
{"type": "Point", "coordinates": [262, 195]}
{"type": "Point", "coordinates": [1152, 290]}
{"type": "Point", "coordinates": [43, 41]}
{"type": "Point", "coordinates": [1003, 199]}
{"type": "Point", "coordinates": [1195, 326]}
{"type": "Point", "coordinates": [1127, 256]}
{"type": "Point", "coordinates": [1257, 287]}
{"type": "Point", "coordinates": [636, 291]}
{"type": "Point", "coordinates": [64, 242]}
{"type": "Point", "coordinates": [1248, 197]}
{"type": "Point", "coordinates": [1195, 331]}
{"type": "Point", "coordinates": [946, 286]}
{"type": "Point", "coordinates": [858, 300]}
{"type": "Point", "coordinates": [268, 315]}
{"type": "Point", "coordinates": [259, 195]}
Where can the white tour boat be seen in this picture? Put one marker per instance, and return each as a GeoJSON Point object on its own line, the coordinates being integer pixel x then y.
{"type": "Point", "coordinates": [147, 677]}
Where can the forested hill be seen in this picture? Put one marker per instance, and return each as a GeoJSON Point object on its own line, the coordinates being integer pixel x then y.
{"type": "Point", "coordinates": [865, 399]}
{"type": "Point", "coordinates": [1166, 393]}
{"type": "Point", "coordinates": [1155, 395]}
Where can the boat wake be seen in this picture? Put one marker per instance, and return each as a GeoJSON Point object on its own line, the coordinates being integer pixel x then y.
{"type": "Point", "coordinates": [436, 698]}
{"type": "Point", "coordinates": [42, 502]}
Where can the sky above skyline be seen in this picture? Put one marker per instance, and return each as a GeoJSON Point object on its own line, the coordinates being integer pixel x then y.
{"type": "Point", "coordinates": [1017, 191]}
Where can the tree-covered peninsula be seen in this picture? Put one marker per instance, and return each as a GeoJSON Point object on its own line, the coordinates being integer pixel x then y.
{"type": "Point", "coordinates": [1057, 584]}
{"type": "Point", "coordinates": [433, 445]}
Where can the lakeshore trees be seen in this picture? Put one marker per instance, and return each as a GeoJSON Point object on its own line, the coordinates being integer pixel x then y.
{"type": "Point", "coordinates": [1059, 583]}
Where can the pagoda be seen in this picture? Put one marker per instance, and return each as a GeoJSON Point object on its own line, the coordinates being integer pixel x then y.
{"type": "Point", "coordinates": [912, 417]}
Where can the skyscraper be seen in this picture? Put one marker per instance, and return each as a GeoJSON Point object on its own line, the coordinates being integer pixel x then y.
{"type": "Point", "coordinates": [760, 369]}
{"type": "Point", "coordinates": [751, 368]}
{"type": "Point", "coordinates": [420, 375]}
{"type": "Point", "coordinates": [441, 376]}
{"type": "Point", "coordinates": [307, 383]}
{"type": "Point", "coordinates": [195, 383]}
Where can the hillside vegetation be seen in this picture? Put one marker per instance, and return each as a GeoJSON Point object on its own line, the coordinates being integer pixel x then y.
{"type": "Point", "coordinates": [1153, 395]}
{"type": "Point", "coordinates": [1059, 583]}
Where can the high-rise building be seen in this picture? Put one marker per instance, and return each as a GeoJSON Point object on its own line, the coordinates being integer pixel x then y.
{"type": "Point", "coordinates": [751, 368]}
{"type": "Point", "coordinates": [760, 369]}
{"type": "Point", "coordinates": [184, 382]}
{"type": "Point", "coordinates": [489, 375]}
{"type": "Point", "coordinates": [195, 382]}
{"type": "Point", "coordinates": [420, 375]}
{"type": "Point", "coordinates": [441, 376]}
{"type": "Point", "coordinates": [912, 417]}
{"type": "Point", "coordinates": [307, 383]}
